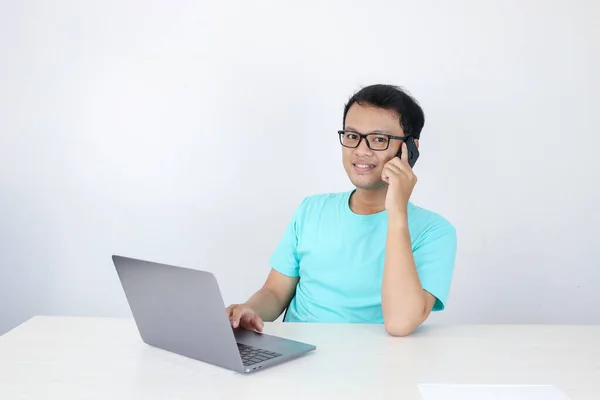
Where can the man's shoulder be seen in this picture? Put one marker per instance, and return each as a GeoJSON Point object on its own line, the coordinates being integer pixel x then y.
{"type": "Point", "coordinates": [430, 230]}
{"type": "Point", "coordinates": [425, 220]}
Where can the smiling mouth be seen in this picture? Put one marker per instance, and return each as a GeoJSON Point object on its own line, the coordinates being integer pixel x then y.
{"type": "Point", "coordinates": [360, 167]}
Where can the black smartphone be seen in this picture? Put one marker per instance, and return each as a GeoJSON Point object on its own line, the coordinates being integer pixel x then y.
{"type": "Point", "coordinates": [413, 151]}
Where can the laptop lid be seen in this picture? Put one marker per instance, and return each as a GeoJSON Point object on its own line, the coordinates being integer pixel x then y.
{"type": "Point", "coordinates": [180, 310]}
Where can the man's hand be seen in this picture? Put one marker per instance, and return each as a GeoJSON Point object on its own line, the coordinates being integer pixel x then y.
{"type": "Point", "coordinates": [401, 180]}
{"type": "Point", "coordinates": [240, 315]}
{"type": "Point", "coordinates": [265, 305]}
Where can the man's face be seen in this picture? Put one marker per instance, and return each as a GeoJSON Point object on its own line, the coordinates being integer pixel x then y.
{"type": "Point", "coordinates": [363, 165]}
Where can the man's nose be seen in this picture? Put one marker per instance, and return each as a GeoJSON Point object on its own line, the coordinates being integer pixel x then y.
{"type": "Point", "coordinates": [363, 147]}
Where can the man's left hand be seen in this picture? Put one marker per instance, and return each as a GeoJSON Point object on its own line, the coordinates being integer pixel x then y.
{"type": "Point", "coordinates": [398, 174]}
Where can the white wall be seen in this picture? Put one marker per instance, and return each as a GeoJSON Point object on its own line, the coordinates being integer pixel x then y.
{"type": "Point", "coordinates": [183, 133]}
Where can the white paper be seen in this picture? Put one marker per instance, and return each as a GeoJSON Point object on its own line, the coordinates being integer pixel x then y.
{"type": "Point", "coordinates": [491, 392]}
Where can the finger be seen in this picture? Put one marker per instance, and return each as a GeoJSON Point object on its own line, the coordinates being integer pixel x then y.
{"type": "Point", "coordinates": [394, 167]}
{"type": "Point", "coordinates": [400, 166]}
{"type": "Point", "coordinates": [404, 155]}
{"type": "Point", "coordinates": [388, 173]}
{"type": "Point", "coordinates": [238, 314]}
{"type": "Point", "coordinates": [246, 321]}
{"type": "Point", "coordinates": [257, 323]}
{"type": "Point", "coordinates": [385, 175]}
{"type": "Point", "coordinates": [397, 162]}
{"type": "Point", "coordinates": [251, 321]}
{"type": "Point", "coordinates": [391, 172]}
{"type": "Point", "coordinates": [229, 310]}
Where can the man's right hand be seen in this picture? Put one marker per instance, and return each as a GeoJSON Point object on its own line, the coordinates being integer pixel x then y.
{"type": "Point", "coordinates": [240, 315]}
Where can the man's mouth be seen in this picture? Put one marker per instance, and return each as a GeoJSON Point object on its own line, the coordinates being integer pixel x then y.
{"type": "Point", "coordinates": [363, 167]}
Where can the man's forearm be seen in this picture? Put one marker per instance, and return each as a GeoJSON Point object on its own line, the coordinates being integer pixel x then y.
{"type": "Point", "coordinates": [402, 296]}
{"type": "Point", "coordinates": [266, 304]}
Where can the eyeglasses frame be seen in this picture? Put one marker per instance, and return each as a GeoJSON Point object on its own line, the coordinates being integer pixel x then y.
{"type": "Point", "coordinates": [366, 135]}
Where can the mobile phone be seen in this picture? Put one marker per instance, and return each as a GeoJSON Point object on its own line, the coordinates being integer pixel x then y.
{"type": "Point", "coordinates": [413, 151]}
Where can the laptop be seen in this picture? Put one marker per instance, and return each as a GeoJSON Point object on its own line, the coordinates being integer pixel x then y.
{"type": "Point", "coordinates": [181, 310]}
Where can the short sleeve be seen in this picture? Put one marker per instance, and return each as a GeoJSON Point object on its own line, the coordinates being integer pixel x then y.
{"type": "Point", "coordinates": [435, 255]}
{"type": "Point", "coordinates": [285, 256]}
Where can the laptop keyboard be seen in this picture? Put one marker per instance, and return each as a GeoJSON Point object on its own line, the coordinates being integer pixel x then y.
{"type": "Point", "coordinates": [252, 355]}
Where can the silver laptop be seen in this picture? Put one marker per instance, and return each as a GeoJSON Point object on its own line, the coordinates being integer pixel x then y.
{"type": "Point", "coordinates": [181, 310]}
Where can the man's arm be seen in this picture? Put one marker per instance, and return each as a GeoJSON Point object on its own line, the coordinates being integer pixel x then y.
{"type": "Point", "coordinates": [271, 300]}
{"type": "Point", "coordinates": [265, 305]}
{"type": "Point", "coordinates": [275, 295]}
{"type": "Point", "coordinates": [404, 302]}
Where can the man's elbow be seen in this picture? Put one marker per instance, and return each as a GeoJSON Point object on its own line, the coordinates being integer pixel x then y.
{"type": "Point", "coordinates": [404, 322]}
{"type": "Point", "coordinates": [400, 328]}
{"type": "Point", "coordinates": [404, 325]}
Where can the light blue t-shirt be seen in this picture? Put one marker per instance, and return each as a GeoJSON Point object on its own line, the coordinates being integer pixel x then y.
{"type": "Point", "coordinates": [339, 255]}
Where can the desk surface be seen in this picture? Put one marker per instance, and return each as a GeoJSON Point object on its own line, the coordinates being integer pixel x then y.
{"type": "Point", "coordinates": [101, 358]}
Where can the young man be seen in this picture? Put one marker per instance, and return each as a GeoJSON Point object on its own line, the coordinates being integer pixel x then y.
{"type": "Point", "coordinates": [368, 255]}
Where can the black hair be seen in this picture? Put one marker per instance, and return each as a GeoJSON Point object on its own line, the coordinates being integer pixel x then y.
{"type": "Point", "coordinates": [393, 98]}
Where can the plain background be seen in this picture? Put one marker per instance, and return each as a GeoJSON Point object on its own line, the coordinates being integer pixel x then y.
{"type": "Point", "coordinates": [188, 132]}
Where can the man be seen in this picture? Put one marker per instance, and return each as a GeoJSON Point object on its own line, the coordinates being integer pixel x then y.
{"type": "Point", "coordinates": [368, 255]}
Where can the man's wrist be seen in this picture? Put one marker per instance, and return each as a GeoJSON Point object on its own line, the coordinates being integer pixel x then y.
{"type": "Point", "coordinates": [398, 219]}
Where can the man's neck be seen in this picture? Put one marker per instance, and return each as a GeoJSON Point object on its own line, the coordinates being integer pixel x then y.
{"type": "Point", "coordinates": [368, 201]}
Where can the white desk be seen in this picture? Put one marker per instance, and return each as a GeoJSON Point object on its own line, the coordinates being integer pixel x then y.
{"type": "Point", "coordinates": [94, 358]}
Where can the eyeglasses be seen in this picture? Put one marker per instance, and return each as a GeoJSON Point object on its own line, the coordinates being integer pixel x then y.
{"type": "Point", "coordinates": [375, 141]}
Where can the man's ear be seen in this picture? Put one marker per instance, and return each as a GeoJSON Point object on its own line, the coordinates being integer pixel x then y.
{"type": "Point", "coordinates": [417, 143]}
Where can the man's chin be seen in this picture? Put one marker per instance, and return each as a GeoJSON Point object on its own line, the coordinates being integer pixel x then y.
{"type": "Point", "coordinates": [373, 185]}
